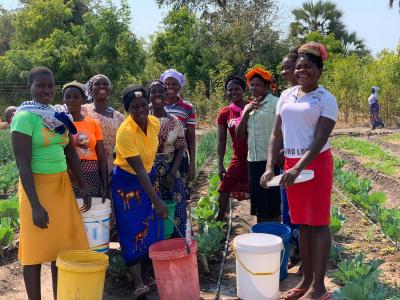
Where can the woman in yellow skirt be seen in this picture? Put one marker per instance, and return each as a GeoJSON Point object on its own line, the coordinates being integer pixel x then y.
{"type": "Point", "coordinates": [49, 215]}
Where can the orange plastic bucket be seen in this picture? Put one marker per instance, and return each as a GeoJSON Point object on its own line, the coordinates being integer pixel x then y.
{"type": "Point", "coordinates": [176, 271]}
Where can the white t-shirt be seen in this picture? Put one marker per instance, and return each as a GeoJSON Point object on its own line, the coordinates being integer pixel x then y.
{"type": "Point", "coordinates": [372, 99]}
{"type": "Point", "coordinates": [300, 117]}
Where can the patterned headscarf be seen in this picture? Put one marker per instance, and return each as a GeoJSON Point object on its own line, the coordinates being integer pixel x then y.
{"type": "Point", "coordinates": [258, 71]}
{"type": "Point", "coordinates": [314, 48]}
{"type": "Point", "coordinates": [89, 85]}
{"type": "Point", "coordinates": [174, 74]}
{"type": "Point", "coordinates": [154, 83]}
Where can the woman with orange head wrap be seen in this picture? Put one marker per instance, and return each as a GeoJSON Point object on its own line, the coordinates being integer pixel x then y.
{"type": "Point", "coordinates": [256, 125]}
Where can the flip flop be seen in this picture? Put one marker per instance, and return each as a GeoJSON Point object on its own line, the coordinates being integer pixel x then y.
{"type": "Point", "coordinates": [295, 293]}
{"type": "Point", "coordinates": [141, 292]}
{"type": "Point", "coordinates": [152, 284]}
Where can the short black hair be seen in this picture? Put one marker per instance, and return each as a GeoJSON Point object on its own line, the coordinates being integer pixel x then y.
{"type": "Point", "coordinates": [38, 71]}
{"type": "Point", "coordinates": [316, 60]}
{"type": "Point", "coordinates": [293, 54]}
{"type": "Point", "coordinates": [235, 79]}
{"type": "Point", "coordinates": [129, 93]}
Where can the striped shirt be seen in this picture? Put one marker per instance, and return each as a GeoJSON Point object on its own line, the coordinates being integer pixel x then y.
{"type": "Point", "coordinates": [184, 110]}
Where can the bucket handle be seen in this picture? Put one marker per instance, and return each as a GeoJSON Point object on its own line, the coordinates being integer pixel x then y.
{"type": "Point", "coordinates": [257, 273]}
{"type": "Point", "coordinates": [181, 235]}
{"type": "Point", "coordinates": [99, 221]}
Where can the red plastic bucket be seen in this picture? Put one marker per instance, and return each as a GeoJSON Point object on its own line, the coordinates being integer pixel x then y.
{"type": "Point", "coordinates": [176, 271]}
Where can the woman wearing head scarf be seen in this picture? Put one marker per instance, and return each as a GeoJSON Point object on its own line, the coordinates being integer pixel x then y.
{"type": "Point", "coordinates": [172, 145]}
{"type": "Point", "coordinates": [306, 116]}
{"type": "Point", "coordinates": [256, 125]}
{"type": "Point", "coordinates": [43, 147]}
{"type": "Point", "coordinates": [185, 112]}
{"type": "Point", "coordinates": [88, 143]}
{"type": "Point", "coordinates": [233, 180]}
{"type": "Point", "coordinates": [374, 109]}
{"type": "Point", "coordinates": [98, 90]}
{"type": "Point", "coordinates": [138, 208]}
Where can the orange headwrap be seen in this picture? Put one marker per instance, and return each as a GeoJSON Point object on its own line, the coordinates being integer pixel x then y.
{"type": "Point", "coordinates": [259, 71]}
{"type": "Point", "coordinates": [314, 48]}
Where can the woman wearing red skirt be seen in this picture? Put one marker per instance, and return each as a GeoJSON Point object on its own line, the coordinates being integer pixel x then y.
{"type": "Point", "coordinates": [306, 115]}
{"type": "Point", "coordinates": [234, 180]}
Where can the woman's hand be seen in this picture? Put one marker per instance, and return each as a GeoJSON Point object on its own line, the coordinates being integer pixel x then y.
{"type": "Point", "coordinates": [87, 200]}
{"type": "Point", "coordinates": [289, 176]}
{"type": "Point", "coordinates": [267, 176]}
{"type": "Point", "coordinates": [161, 208]}
{"type": "Point", "coordinates": [40, 216]}
{"type": "Point", "coordinates": [256, 104]}
{"type": "Point", "coordinates": [168, 181]}
{"type": "Point", "coordinates": [221, 172]}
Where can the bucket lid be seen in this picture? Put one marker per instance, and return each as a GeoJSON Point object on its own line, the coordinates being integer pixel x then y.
{"type": "Point", "coordinates": [97, 205]}
{"type": "Point", "coordinates": [258, 243]}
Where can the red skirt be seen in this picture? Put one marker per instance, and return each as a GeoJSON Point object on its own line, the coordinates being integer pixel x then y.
{"type": "Point", "coordinates": [235, 180]}
{"type": "Point", "coordinates": [310, 201]}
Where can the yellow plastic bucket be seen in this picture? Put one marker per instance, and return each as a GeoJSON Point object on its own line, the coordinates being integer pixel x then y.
{"type": "Point", "coordinates": [81, 275]}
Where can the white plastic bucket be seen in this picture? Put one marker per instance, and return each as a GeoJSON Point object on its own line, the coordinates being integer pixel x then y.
{"type": "Point", "coordinates": [258, 260]}
{"type": "Point", "coordinates": [97, 224]}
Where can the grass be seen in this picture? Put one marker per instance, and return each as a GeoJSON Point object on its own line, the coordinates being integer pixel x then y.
{"type": "Point", "coordinates": [371, 155]}
{"type": "Point", "coordinates": [6, 153]}
{"type": "Point", "coordinates": [206, 148]}
{"type": "Point", "coordinates": [392, 138]}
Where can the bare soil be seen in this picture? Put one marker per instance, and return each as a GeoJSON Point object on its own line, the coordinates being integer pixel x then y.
{"type": "Point", "coordinates": [380, 182]}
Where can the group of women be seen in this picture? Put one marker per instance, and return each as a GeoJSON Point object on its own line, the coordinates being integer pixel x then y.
{"type": "Point", "coordinates": [86, 150]}
{"type": "Point", "coordinates": [286, 135]}
{"type": "Point", "coordinates": [79, 150]}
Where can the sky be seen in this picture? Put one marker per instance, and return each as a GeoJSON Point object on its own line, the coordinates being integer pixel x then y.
{"type": "Point", "coordinates": [373, 21]}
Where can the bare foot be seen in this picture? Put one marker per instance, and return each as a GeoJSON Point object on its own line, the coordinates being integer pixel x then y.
{"type": "Point", "coordinates": [313, 294]}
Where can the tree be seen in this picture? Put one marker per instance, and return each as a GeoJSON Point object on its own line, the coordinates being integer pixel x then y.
{"type": "Point", "coordinates": [325, 17]}
{"type": "Point", "coordinates": [322, 16]}
{"type": "Point", "coordinates": [391, 4]}
{"type": "Point", "coordinates": [185, 45]}
{"type": "Point", "coordinates": [6, 29]}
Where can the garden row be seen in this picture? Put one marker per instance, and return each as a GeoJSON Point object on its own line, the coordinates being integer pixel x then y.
{"type": "Point", "coordinates": [9, 218]}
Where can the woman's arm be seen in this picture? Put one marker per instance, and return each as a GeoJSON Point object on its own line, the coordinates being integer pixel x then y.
{"type": "Point", "coordinates": [241, 129]}
{"type": "Point", "coordinates": [22, 147]}
{"type": "Point", "coordinates": [274, 148]}
{"type": "Point", "coordinates": [136, 164]}
{"type": "Point", "coordinates": [75, 167]}
{"type": "Point", "coordinates": [221, 148]}
{"type": "Point", "coordinates": [322, 133]}
{"type": "Point", "coordinates": [103, 169]}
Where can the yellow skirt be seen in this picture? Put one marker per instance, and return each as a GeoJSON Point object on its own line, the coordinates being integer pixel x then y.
{"type": "Point", "coordinates": [65, 229]}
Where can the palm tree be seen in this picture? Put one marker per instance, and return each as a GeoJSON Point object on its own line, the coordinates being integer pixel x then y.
{"type": "Point", "coordinates": [352, 44]}
{"type": "Point", "coordinates": [391, 4]}
{"type": "Point", "coordinates": [323, 16]}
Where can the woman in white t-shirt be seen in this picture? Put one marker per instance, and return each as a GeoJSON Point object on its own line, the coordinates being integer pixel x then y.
{"type": "Point", "coordinates": [306, 115]}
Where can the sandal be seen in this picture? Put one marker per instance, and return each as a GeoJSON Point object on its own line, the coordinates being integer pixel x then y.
{"type": "Point", "coordinates": [295, 293]}
{"type": "Point", "coordinates": [152, 284]}
{"type": "Point", "coordinates": [141, 292]}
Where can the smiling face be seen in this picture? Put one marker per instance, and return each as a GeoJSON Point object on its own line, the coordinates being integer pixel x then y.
{"type": "Point", "coordinates": [101, 89]}
{"type": "Point", "coordinates": [287, 70]}
{"type": "Point", "coordinates": [157, 96]}
{"type": "Point", "coordinates": [173, 88]}
{"type": "Point", "coordinates": [258, 87]}
{"type": "Point", "coordinates": [234, 92]}
{"type": "Point", "coordinates": [307, 73]}
{"type": "Point", "coordinates": [139, 109]}
{"type": "Point", "coordinates": [73, 98]}
{"type": "Point", "coordinates": [43, 88]}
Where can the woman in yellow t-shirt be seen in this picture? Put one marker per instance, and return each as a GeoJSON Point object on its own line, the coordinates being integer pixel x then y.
{"type": "Point", "coordinates": [138, 208]}
{"type": "Point", "coordinates": [88, 143]}
{"type": "Point", "coordinates": [50, 221]}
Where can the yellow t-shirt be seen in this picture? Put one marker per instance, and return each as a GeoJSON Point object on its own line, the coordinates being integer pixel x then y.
{"type": "Point", "coordinates": [132, 141]}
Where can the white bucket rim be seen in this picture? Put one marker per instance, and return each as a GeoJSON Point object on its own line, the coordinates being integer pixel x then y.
{"type": "Point", "coordinates": [258, 243]}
